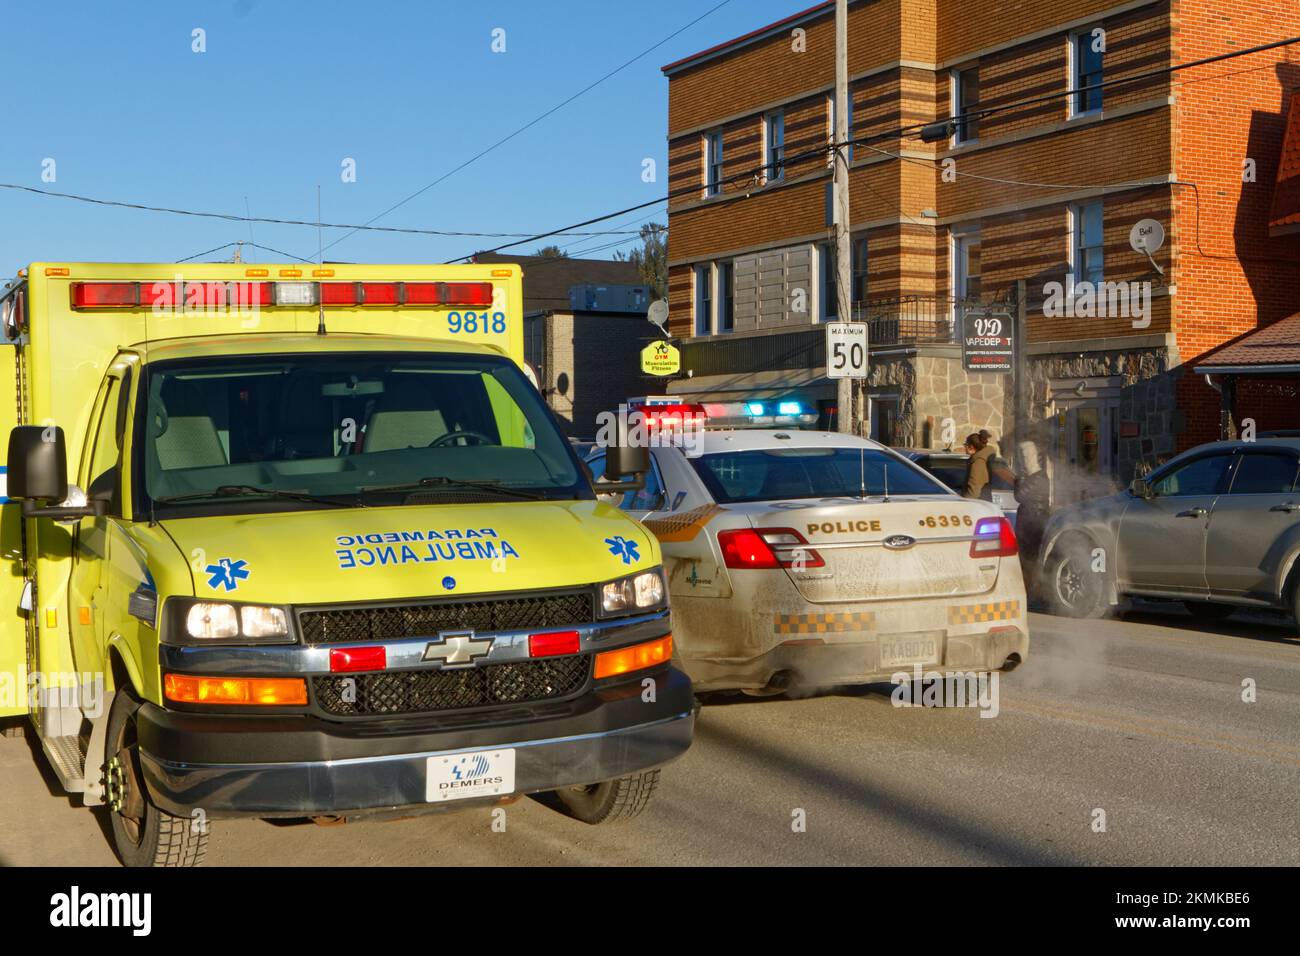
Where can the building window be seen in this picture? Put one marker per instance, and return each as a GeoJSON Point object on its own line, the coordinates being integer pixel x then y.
{"type": "Point", "coordinates": [966, 265]}
{"type": "Point", "coordinates": [1088, 261]}
{"type": "Point", "coordinates": [828, 294]}
{"type": "Point", "coordinates": [713, 164]}
{"type": "Point", "coordinates": [830, 112]}
{"type": "Point", "coordinates": [859, 270]}
{"type": "Point", "coordinates": [966, 97]}
{"type": "Point", "coordinates": [775, 134]}
{"type": "Point", "coordinates": [727, 293]}
{"type": "Point", "coordinates": [703, 300]}
{"type": "Point", "coordinates": [1087, 52]}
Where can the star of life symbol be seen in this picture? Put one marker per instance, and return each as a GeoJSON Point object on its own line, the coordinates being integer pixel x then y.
{"type": "Point", "coordinates": [226, 573]}
{"type": "Point", "coordinates": [620, 547]}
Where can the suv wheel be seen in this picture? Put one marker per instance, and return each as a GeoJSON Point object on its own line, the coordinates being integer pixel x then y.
{"type": "Point", "coordinates": [1073, 588]}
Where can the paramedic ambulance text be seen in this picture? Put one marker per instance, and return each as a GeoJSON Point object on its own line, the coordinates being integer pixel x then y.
{"type": "Point", "coordinates": [418, 547]}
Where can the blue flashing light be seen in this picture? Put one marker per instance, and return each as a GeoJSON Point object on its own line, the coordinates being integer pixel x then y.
{"type": "Point", "coordinates": [789, 408]}
{"type": "Point", "coordinates": [754, 408]}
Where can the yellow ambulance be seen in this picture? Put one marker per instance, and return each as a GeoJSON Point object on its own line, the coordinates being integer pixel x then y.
{"type": "Point", "coordinates": [297, 541]}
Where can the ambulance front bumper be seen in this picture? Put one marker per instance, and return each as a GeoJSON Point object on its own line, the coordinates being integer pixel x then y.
{"type": "Point", "coordinates": [299, 765]}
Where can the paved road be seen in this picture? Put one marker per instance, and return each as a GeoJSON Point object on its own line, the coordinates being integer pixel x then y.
{"type": "Point", "coordinates": [1141, 718]}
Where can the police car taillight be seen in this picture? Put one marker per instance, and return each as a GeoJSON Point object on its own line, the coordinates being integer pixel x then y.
{"type": "Point", "coordinates": [994, 538]}
{"type": "Point", "coordinates": [767, 549]}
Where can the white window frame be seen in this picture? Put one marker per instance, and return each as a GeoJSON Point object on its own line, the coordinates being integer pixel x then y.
{"type": "Point", "coordinates": [713, 187]}
{"type": "Point", "coordinates": [774, 167]}
{"type": "Point", "coordinates": [1072, 76]}
{"type": "Point", "coordinates": [1077, 225]}
{"type": "Point", "coordinates": [703, 273]}
{"type": "Point", "coordinates": [954, 104]}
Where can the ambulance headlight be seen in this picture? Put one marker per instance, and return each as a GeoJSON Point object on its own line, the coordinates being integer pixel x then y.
{"type": "Point", "coordinates": [257, 621]}
{"type": "Point", "coordinates": [644, 591]}
{"type": "Point", "coordinates": [192, 621]}
{"type": "Point", "coordinates": [207, 621]}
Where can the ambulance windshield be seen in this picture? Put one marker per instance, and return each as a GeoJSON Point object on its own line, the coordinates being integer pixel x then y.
{"type": "Point", "coordinates": [276, 432]}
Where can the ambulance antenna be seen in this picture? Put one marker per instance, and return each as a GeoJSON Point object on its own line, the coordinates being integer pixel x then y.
{"type": "Point", "coordinates": [320, 258]}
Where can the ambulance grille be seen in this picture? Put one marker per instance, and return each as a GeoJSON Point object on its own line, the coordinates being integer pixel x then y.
{"type": "Point", "coordinates": [415, 692]}
{"type": "Point", "coordinates": [394, 622]}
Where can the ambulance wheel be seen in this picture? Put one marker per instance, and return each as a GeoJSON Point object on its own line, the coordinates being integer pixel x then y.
{"type": "Point", "coordinates": [143, 834]}
{"type": "Point", "coordinates": [620, 799]}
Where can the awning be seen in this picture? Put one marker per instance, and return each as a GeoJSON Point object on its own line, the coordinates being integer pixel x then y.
{"type": "Point", "coordinates": [1272, 350]}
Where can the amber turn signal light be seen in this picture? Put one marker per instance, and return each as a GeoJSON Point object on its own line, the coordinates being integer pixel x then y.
{"type": "Point", "coordinates": [635, 657]}
{"type": "Point", "coordinates": [260, 691]}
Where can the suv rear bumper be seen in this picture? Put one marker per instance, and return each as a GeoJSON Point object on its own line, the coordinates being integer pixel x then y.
{"type": "Point", "coordinates": [291, 766]}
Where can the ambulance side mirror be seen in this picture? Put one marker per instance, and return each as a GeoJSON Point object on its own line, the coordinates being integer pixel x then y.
{"type": "Point", "coordinates": [623, 460]}
{"type": "Point", "coordinates": [38, 472]}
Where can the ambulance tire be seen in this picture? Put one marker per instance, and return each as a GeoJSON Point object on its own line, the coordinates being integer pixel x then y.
{"type": "Point", "coordinates": [620, 799]}
{"type": "Point", "coordinates": [143, 834]}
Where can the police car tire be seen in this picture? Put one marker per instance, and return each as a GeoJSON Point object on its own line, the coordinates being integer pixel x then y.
{"type": "Point", "coordinates": [166, 840]}
{"type": "Point", "coordinates": [620, 799]}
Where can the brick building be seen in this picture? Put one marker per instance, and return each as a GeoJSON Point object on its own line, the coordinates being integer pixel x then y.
{"type": "Point", "coordinates": [584, 329]}
{"type": "Point", "coordinates": [1046, 189]}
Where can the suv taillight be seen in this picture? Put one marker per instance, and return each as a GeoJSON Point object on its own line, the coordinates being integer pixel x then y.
{"type": "Point", "coordinates": [767, 548]}
{"type": "Point", "coordinates": [994, 538]}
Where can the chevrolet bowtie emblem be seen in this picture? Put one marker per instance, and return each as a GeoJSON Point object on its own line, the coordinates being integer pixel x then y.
{"type": "Point", "coordinates": [457, 648]}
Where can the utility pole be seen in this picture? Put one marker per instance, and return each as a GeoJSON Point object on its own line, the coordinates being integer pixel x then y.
{"type": "Point", "coordinates": [840, 204]}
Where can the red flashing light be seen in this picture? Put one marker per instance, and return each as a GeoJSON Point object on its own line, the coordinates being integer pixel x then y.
{"type": "Point", "coordinates": [346, 659]}
{"type": "Point", "coordinates": [105, 295]}
{"type": "Point", "coordinates": [553, 644]}
{"type": "Point", "coordinates": [380, 293]}
{"type": "Point", "coordinates": [338, 293]}
{"type": "Point", "coordinates": [467, 293]}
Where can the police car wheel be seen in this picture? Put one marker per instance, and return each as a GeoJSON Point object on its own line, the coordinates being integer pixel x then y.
{"type": "Point", "coordinates": [1074, 589]}
{"type": "Point", "coordinates": [612, 800]}
{"type": "Point", "coordinates": [143, 834]}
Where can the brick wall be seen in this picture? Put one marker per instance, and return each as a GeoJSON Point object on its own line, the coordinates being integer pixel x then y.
{"type": "Point", "coordinates": [1232, 276]}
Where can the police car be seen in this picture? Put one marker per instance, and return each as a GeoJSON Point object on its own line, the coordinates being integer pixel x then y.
{"type": "Point", "coordinates": [806, 558]}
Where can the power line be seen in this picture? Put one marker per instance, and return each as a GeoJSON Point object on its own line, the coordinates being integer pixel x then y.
{"type": "Point", "coordinates": [533, 122]}
{"type": "Point", "coordinates": [900, 133]}
{"type": "Point", "coordinates": [227, 217]}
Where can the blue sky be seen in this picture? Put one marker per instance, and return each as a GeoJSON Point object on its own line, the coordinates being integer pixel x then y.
{"type": "Point", "coordinates": [286, 90]}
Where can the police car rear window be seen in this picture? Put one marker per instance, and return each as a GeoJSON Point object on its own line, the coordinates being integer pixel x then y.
{"type": "Point", "coordinates": [781, 474]}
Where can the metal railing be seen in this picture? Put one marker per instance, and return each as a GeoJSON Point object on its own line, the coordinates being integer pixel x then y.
{"type": "Point", "coordinates": [911, 319]}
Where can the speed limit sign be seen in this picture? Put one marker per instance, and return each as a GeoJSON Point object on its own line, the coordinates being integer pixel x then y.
{"type": "Point", "coordinates": [846, 350]}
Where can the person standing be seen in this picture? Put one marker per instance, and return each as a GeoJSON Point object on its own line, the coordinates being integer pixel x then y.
{"type": "Point", "coordinates": [977, 467]}
{"type": "Point", "coordinates": [1034, 493]}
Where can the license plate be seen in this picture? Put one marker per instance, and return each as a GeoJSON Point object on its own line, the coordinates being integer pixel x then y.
{"type": "Point", "coordinates": [484, 773]}
{"type": "Point", "coordinates": [909, 649]}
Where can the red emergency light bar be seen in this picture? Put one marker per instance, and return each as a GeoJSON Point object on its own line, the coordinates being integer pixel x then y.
{"type": "Point", "coordinates": [674, 415]}
{"type": "Point", "coordinates": [207, 295]}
